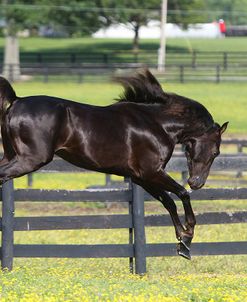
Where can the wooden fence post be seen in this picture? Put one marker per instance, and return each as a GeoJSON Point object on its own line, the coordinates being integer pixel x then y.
{"type": "Point", "coordinates": [217, 74]}
{"type": "Point", "coordinates": [30, 180]}
{"type": "Point", "coordinates": [139, 230]}
{"type": "Point", "coordinates": [7, 225]}
{"type": "Point", "coordinates": [181, 73]}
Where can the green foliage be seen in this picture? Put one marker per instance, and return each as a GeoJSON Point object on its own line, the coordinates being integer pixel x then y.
{"type": "Point", "coordinates": [137, 13]}
{"type": "Point", "coordinates": [233, 12]}
{"type": "Point", "coordinates": [185, 12]}
{"type": "Point", "coordinates": [108, 280]}
{"type": "Point", "coordinates": [75, 18]}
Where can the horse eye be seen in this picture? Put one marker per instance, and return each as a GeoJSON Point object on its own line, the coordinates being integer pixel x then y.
{"type": "Point", "coordinates": [216, 153]}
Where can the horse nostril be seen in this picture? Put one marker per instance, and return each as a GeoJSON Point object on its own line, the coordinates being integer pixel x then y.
{"type": "Point", "coordinates": [194, 181]}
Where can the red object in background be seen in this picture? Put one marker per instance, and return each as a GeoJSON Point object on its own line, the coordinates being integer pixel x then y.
{"type": "Point", "coordinates": [222, 26]}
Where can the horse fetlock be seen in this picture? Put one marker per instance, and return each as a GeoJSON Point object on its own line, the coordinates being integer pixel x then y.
{"type": "Point", "coordinates": [190, 225]}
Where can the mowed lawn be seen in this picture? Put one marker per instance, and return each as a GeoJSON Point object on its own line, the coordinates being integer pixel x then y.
{"type": "Point", "coordinates": [89, 45]}
{"type": "Point", "coordinates": [169, 279]}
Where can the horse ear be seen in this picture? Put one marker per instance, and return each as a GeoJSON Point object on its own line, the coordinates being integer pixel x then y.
{"type": "Point", "coordinates": [223, 128]}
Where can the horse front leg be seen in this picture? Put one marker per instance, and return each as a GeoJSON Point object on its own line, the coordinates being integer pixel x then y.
{"type": "Point", "coordinates": [169, 184]}
{"type": "Point", "coordinates": [167, 202]}
{"type": "Point", "coordinates": [164, 182]}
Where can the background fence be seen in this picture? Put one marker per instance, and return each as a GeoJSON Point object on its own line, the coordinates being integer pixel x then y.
{"type": "Point", "coordinates": [210, 66]}
{"type": "Point", "coordinates": [193, 59]}
{"type": "Point", "coordinates": [135, 221]}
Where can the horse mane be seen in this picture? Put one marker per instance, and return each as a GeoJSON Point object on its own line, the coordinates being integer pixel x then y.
{"type": "Point", "coordinates": [142, 87]}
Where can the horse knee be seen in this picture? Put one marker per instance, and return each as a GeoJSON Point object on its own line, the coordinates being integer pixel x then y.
{"type": "Point", "coordinates": [184, 196]}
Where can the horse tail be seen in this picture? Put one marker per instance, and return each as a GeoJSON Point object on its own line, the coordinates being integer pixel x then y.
{"type": "Point", "coordinates": [7, 95]}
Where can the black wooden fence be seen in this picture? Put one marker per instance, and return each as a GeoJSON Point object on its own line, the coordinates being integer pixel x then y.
{"type": "Point", "coordinates": [135, 221]}
{"type": "Point", "coordinates": [194, 59]}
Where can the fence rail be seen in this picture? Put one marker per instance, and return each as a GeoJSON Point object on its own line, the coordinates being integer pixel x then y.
{"type": "Point", "coordinates": [193, 59]}
{"type": "Point", "coordinates": [80, 73]}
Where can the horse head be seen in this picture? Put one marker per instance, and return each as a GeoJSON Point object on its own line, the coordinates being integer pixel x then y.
{"type": "Point", "coordinates": [201, 152]}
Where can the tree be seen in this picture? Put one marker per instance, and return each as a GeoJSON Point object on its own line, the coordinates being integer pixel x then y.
{"type": "Point", "coordinates": [185, 12]}
{"type": "Point", "coordinates": [232, 11]}
{"type": "Point", "coordinates": [11, 68]}
{"type": "Point", "coordinates": [75, 17]}
{"type": "Point", "coordinates": [139, 12]}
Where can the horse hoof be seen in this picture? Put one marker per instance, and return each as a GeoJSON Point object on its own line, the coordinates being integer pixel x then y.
{"type": "Point", "coordinates": [183, 251]}
{"type": "Point", "coordinates": [186, 241]}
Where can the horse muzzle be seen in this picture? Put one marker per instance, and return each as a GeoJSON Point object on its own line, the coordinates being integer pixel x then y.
{"type": "Point", "coordinates": [196, 182]}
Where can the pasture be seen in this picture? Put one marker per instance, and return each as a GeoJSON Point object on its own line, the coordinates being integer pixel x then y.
{"type": "Point", "coordinates": [214, 278]}
{"type": "Point", "coordinates": [89, 45]}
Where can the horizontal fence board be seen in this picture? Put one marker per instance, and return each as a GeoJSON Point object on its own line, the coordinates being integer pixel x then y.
{"type": "Point", "coordinates": [211, 194]}
{"type": "Point", "coordinates": [117, 221]}
{"type": "Point", "coordinates": [219, 194]}
{"type": "Point", "coordinates": [72, 222]}
{"type": "Point", "coordinates": [225, 163]}
{"type": "Point", "coordinates": [107, 194]}
{"type": "Point", "coordinates": [118, 195]}
{"type": "Point", "coordinates": [198, 249]}
{"type": "Point", "coordinates": [201, 219]}
{"type": "Point", "coordinates": [126, 250]}
{"type": "Point", "coordinates": [73, 251]}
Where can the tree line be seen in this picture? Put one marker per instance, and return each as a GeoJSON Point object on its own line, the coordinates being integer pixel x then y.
{"type": "Point", "coordinates": [83, 17]}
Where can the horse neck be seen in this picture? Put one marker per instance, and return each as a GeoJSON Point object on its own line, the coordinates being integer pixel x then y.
{"type": "Point", "coordinates": [182, 127]}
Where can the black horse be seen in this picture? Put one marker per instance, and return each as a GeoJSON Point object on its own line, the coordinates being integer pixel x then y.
{"type": "Point", "coordinates": [134, 137]}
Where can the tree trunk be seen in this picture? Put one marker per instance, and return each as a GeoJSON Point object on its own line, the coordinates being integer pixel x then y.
{"type": "Point", "coordinates": [136, 38]}
{"type": "Point", "coordinates": [11, 69]}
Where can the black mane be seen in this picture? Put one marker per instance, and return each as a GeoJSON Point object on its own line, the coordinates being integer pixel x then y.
{"type": "Point", "coordinates": [143, 88]}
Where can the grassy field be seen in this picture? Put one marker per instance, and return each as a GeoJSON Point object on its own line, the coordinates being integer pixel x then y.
{"type": "Point", "coordinates": [169, 279]}
{"type": "Point", "coordinates": [226, 102]}
{"type": "Point", "coordinates": [89, 45]}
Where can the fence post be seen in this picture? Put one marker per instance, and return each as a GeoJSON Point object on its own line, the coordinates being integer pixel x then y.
{"type": "Point", "coordinates": [193, 63]}
{"type": "Point", "coordinates": [46, 75]}
{"type": "Point", "coordinates": [7, 225]}
{"type": "Point", "coordinates": [217, 74]}
{"type": "Point", "coordinates": [131, 237]}
{"type": "Point", "coordinates": [139, 230]}
{"type": "Point", "coordinates": [30, 180]}
{"type": "Point", "coordinates": [225, 60]}
{"type": "Point", "coordinates": [240, 150]}
{"type": "Point", "coordinates": [181, 73]}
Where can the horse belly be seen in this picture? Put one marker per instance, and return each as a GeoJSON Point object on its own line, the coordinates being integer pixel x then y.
{"type": "Point", "coordinates": [99, 159]}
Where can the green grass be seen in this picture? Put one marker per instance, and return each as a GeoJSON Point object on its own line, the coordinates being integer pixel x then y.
{"type": "Point", "coordinates": [204, 279]}
{"type": "Point", "coordinates": [169, 279]}
{"type": "Point", "coordinates": [226, 102]}
{"type": "Point", "coordinates": [215, 278]}
{"type": "Point", "coordinates": [89, 45]}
